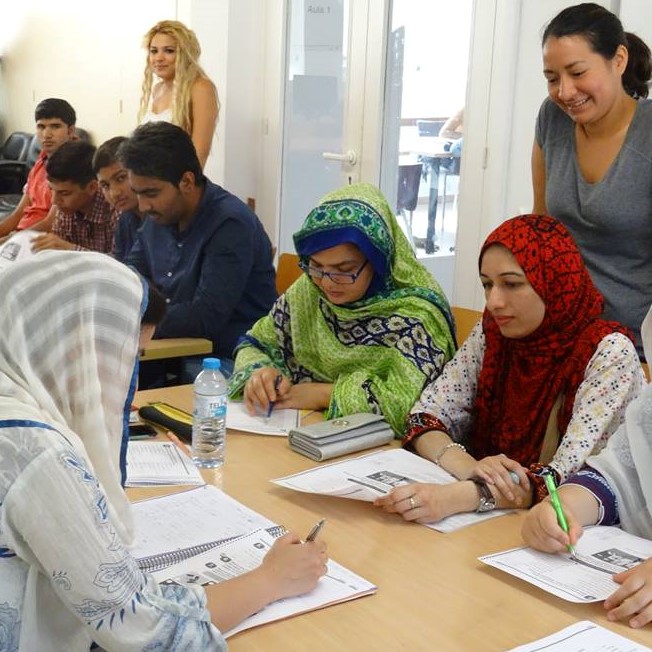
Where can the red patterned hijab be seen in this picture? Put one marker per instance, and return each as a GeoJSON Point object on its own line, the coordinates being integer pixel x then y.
{"type": "Point", "coordinates": [521, 378]}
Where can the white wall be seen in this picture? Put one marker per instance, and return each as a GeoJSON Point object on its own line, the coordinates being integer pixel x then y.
{"type": "Point", "coordinates": [97, 64]}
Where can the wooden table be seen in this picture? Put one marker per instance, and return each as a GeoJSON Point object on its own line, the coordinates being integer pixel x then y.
{"type": "Point", "coordinates": [432, 595]}
{"type": "Point", "coordinates": [176, 347]}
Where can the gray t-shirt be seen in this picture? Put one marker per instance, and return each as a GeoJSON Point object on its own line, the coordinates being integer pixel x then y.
{"type": "Point", "coordinates": [611, 220]}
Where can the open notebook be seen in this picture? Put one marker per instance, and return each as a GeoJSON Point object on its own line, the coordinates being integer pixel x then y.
{"type": "Point", "coordinates": [203, 536]}
{"type": "Point", "coordinates": [242, 554]}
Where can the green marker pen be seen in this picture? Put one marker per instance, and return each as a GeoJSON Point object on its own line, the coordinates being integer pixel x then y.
{"type": "Point", "coordinates": [556, 504]}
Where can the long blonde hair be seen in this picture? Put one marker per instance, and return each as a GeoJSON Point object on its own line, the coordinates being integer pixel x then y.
{"type": "Point", "coordinates": [187, 70]}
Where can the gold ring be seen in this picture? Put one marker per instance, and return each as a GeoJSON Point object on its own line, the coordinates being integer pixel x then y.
{"type": "Point", "coordinates": [412, 504]}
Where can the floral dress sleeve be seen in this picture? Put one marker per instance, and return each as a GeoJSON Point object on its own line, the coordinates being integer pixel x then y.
{"type": "Point", "coordinates": [447, 403]}
{"type": "Point", "coordinates": [57, 520]}
{"type": "Point", "coordinates": [613, 378]}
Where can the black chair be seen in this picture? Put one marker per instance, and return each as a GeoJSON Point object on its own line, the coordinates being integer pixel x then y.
{"type": "Point", "coordinates": [15, 147]}
{"type": "Point", "coordinates": [13, 175]}
{"type": "Point", "coordinates": [12, 160]}
{"type": "Point", "coordinates": [409, 178]}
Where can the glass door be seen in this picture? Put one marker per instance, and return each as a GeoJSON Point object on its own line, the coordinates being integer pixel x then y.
{"type": "Point", "coordinates": [423, 129]}
{"type": "Point", "coordinates": [324, 94]}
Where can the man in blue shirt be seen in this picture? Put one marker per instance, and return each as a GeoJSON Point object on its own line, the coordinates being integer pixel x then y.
{"type": "Point", "coordinates": [204, 249]}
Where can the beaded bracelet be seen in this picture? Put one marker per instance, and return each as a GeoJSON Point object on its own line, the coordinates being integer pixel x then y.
{"type": "Point", "coordinates": [452, 444]}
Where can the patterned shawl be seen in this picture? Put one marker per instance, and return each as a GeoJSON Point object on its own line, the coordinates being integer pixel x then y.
{"type": "Point", "coordinates": [521, 379]}
{"type": "Point", "coordinates": [380, 351]}
{"type": "Point", "coordinates": [69, 330]}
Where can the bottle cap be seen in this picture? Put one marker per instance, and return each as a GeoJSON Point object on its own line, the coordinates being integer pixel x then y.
{"type": "Point", "coordinates": [211, 363]}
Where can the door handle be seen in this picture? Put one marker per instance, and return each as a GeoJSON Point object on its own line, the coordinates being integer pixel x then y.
{"type": "Point", "coordinates": [349, 157]}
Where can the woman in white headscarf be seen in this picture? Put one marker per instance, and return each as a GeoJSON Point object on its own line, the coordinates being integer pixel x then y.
{"type": "Point", "coordinates": [70, 327]}
{"type": "Point", "coordinates": [614, 488]}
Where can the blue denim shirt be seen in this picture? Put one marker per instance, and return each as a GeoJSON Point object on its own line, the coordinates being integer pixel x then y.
{"type": "Point", "coordinates": [217, 275]}
{"type": "Point", "coordinates": [124, 235]}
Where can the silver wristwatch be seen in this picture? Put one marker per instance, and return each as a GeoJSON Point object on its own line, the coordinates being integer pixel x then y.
{"type": "Point", "coordinates": [487, 500]}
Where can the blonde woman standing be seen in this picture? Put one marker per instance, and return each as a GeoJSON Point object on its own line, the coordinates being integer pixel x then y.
{"type": "Point", "coordinates": [183, 95]}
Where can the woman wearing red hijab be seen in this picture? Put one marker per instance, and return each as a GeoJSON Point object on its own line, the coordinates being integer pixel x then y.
{"type": "Point", "coordinates": [539, 385]}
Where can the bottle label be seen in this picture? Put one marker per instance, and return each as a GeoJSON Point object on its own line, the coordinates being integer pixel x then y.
{"type": "Point", "coordinates": [210, 406]}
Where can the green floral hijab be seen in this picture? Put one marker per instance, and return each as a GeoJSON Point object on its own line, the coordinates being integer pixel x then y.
{"type": "Point", "coordinates": [378, 352]}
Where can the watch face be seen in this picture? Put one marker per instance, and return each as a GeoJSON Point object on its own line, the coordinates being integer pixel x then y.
{"type": "Point", "coordinates": [486, 505]}
{"type": "Point", "coordinates": [487, 500]}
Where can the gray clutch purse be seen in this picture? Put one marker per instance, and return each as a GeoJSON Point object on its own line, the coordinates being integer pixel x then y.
{"type": "Point", "coordinates": [354, 432]}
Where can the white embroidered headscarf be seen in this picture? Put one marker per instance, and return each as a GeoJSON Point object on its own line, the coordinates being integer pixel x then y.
{"type": "Point", "coordinates": [626, 461]}
{"type": "Point", "coordinates": [69, 331]}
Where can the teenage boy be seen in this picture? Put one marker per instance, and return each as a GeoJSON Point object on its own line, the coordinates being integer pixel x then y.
{"type": "Point", "coordinates": [113, 180]}
{"type": "Point", "coordinates": [205, 250]}
{"type": "Point", "coordinates": [55, 125]}
{"type": "Point", "coordinates": [84, 220]}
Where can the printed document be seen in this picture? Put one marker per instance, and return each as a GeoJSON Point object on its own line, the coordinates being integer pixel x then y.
{"type": "Point", "coordinates": [246, 553]}
{"type": "Point", "coordinates": [369, 476]}
{"type": "Point", "coordinates": [17, 248]}
{"type": "Point", "coordinates": [159, 463]}
{"type": "Point", "coordinates": [190, 518]}
{"type": "Point", "coordinates": [586, 577]}
{"type": "Point", "coordinates": [279, 423]}
{"type": "Point", "coordinates": [584, 636]}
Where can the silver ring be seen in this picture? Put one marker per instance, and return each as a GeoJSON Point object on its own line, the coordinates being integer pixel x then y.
{"type": "Point", "coordinates": [412, 503]}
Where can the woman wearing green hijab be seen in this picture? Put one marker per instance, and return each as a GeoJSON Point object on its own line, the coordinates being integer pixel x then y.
{"type": "Point", "coordinates": [364, 330]}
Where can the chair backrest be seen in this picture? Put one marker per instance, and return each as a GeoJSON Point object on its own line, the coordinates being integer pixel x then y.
{"type": "Point", "coordinates": [287, 271]}
{"type": "Point", "coordinates": [33, 151]}
{"type": "Point", "coordinates": [409, 178]}
{"type": "Point", "coordinates": [429, 127]}
{"type": "Point", "coordinates": [465, 320]}
{"type": "Point", "coordinates": [16, 146]}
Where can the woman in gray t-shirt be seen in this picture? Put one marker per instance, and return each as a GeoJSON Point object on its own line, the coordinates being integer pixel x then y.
{"type": "Point", "coordinates": [592, 155]}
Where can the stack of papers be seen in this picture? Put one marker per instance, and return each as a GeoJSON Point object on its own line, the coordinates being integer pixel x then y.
{"type": "Point", "coordinates": [369, 476]}
{"type": "Point", "coordinates": [159, 463]}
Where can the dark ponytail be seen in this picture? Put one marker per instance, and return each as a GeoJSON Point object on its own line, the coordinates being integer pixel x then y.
{"type": "Point", "coordinates": [639, 66]}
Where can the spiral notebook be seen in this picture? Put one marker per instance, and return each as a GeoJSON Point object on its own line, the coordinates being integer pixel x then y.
{"type": "Point", "coordinates": [173, 528]}
{"type": "Point", "coordinates": [243, 554]}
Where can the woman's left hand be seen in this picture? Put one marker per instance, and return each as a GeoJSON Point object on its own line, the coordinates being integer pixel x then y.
{"type": "Point", "coordinates": [496, 470]}
{"type": "Point", "coordinates": [306, 396]}
{"type": "Point", "coordinates": [633, 599]}
{"type": "Point", "coordinates": [420, 502]}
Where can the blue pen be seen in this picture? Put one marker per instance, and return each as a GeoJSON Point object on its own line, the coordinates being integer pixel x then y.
{"type": "Point", "coordinates": [277, 384]}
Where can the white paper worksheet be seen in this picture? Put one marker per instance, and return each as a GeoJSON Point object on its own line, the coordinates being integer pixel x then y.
{"type": "Point", "coordinates": [584, 636]}
{"type": "Point", "coordinates": [159, 463]}
{"type": "Point", "coordinates": [278, 424]}
{"type": "Point", "coordinates": [189, 518]}
{"type": "Point", "coordinates": [601, 552]}
{"type": "Point", "coordinates": [376, 474]}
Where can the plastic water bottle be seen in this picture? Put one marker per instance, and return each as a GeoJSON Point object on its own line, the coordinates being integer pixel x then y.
{"type": "Point", "coordinates": [209, 415]}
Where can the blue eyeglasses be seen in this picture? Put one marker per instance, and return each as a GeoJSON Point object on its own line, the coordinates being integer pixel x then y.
{"type": "Point", "coordinates": [341, 278]}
